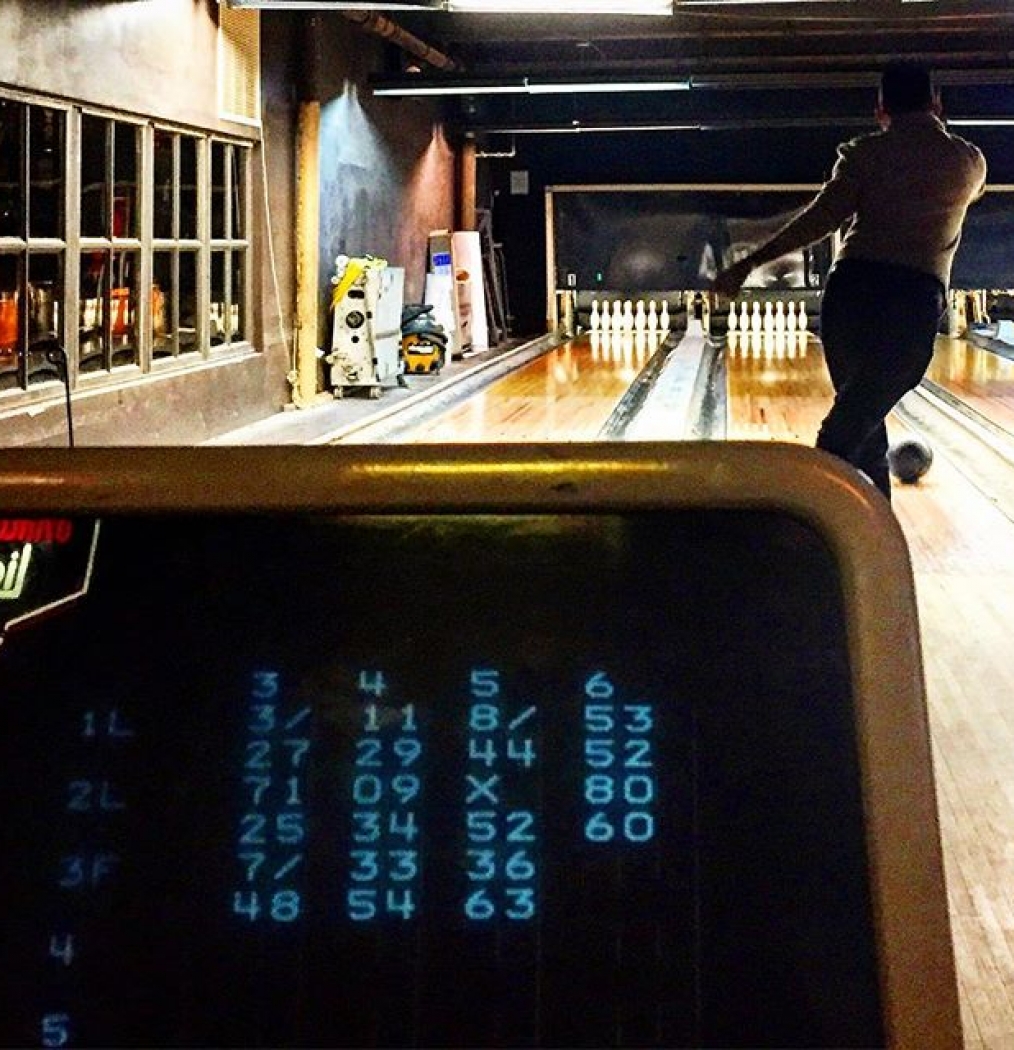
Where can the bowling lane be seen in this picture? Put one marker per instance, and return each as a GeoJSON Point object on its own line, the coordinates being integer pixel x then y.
{"type": "Point", "coordinates": [981, 379]}
{"type": "Point", "coordinates": [566, 394]}
{"type": "Point", "coordinates": [962, 548]}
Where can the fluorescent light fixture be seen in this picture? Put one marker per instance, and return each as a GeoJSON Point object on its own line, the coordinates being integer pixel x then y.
{"type": "Point", "coordinates": [339, 5]}
{"type": "Point", "coordinates": [524, 86]}
{"type": "Point", "coordinates": [524, 7]}
{"type": "Point", "coordinates": [564, 7]}
{"type": "Point", "coordinates": [607, 87]}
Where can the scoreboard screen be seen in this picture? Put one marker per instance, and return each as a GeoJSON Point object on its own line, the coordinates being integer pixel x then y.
{"type": "Point", "coordinates": [432, 779]}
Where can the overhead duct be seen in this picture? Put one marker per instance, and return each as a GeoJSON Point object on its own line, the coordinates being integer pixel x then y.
{"type": "Point", "coordinates": [394, 34]}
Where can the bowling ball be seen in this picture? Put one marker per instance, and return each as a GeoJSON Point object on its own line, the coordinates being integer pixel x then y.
{"type": "Point", "coordinates": [909, 460]}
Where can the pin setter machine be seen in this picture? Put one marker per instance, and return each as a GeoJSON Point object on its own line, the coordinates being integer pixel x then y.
{"type": "Point", "coordinates": [529, 746]}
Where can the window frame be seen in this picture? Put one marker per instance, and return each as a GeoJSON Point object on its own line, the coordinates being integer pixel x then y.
{"type": "Point", "coordinates": [72, 246]}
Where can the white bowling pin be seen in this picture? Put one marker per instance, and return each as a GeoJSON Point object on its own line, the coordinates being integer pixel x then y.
{"type": "Point", "coordinates": [663, 317]}
{"type": "Point", "coordinates": [744, 317]}
{"type": "Point", "coordinates": [628, 316]}
{"type": "Point", "coordinates": [605, 317]}
{"type": "Point", "coordinates": [732, 317]}
{"type": "Point", "coordinates": [618, 315]}
{"type": "Point", "coordinates": [640, 320]}
{"type": "Point", "coordinates": [801, 318]}
{"type": "Point", "coordinates": [769, 317]}
{"type": "Point", "coordinates": [779, 316]}
{"type": "Point", "coordinates": [652, 316]}
{"type": "Point", "coordinates": [790, 317]}
{"type": "Point", "coordinates": [593, 317]}
{"type": "Point", "coordinates": [756, 324]}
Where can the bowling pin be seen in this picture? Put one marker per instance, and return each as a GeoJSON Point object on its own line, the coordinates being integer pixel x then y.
{"type": "Point", "coordinates": [593, 317]}
{"type": "Point", "coordinates": [744, 317]}
{"type": "Point", "coordinates": [605, 317]}
{"type": "Point", "coordinates": [756, 324]}
{"type": "Point", "coordinates": [663, 317]}
{"type": "Point", "coordinates": [769, 317]}
{"type": "Point", "coordinates": [618, 315]}
{"type": "Point", "coordinates": [790, 317]}
{"type": "Point", "coordinates": [801, 318]}
{"type": "Point", "coordinates": [732, 317]}
{"type": "Point", "coordinates": [628, 316]}
{"type": "Point", "coordinates": [639, 318]}
{"type": "Point", "coordinates": [779, 316]}
{"type": "Point", "coordinates": [652, 316]}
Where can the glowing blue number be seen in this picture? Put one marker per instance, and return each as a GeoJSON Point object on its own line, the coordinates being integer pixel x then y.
{"type": "Point", "coordinates": [522, 820]}
{"type": "Point", "coordinates": [253, 861]}
{"type": "Point", "coordinates": [260, 786]}
{"type": "Point", "coordinates": [599, 753]}
{"type": "Point", "coordinates": [518, 867]}
{"type": "Point", "coordinates": [299, 747]}
{"type": "Point", "coordinates": [403, 823]}
{"type": "Point", "coordinates": [372, 682]}
{"type": "Point", "coordinates": [522, 902]}
{"type": "Point", "coordinates": [599, 789]}
{"type": "Point", "coordinates": [485, 683]}
{"type": "Point", "coordinates": [638, 754]}
{"type": "Point", "coordinates": [55, 1029]}
{"type": "Point", "coordinates": [247, 903]}
{"type": "Point", "coordinates": [484, 718]}
{"type": "Point", "coordinates": [478, 906]}
{"type": "Point", "coordinates": [362, 905]}
{"type": "Point", "coordinates": [62, 950]}
{"type": "Point", "coordinates": [368, 869]}
{"type": "Point", "coordinates": [406, 786]}
{"type": "Point", "coordinates": [367, 825]}
{"type": "Point", "coordinates": [598, 828]}
{"type": "Point", "coordinates": [521, 751]}
{"type": "Point", "coordinates": [407, 750]}
{"type": "Point", "coordinates": [481, 825]}
{"type": "Point", "coordinates": [408, 718]}
{"type": "Point", "coordinates": [262, 718]}
{"type": "Point", "coordinates": [482, 750]}
{"type": "Point", "coordinates": [400, 902]}
{"type": "Point", "coordinates": [367, 789]}
{"type": "Point", "coordinates": [254, 835]}
{"type": "Point", "coordinates": [638, 790]}
{"type": "Point", "coordinates": [285, 906]}
{"type": "Point", "coordinates": [599, 718]}
{"type": "Point", "coordinates": [404, 864]}
{"type": "Point", "coordinates": [598, 687]}
{"type": "Point", "coordinates": [257, 754]}
{"type": "Point", "coordinates": [638, 827]}
{"type": "Point", "coordinates": [642, 720]}
{"type": "Point", "coordinates": [369, 752]}
{"type": "Point", "coordinates": [265, 684]}
{"type": "Point", "coordinates": [483, 865]}
{"type": "Point", "coordinates": [289, 829]}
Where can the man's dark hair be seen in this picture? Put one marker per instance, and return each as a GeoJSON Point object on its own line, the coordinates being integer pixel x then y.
{"type": "Point", "coordinates": [906, 87]}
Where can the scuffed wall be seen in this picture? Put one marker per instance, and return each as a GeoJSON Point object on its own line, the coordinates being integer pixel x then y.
{"type": "Point", "coordinates": [387, 168]}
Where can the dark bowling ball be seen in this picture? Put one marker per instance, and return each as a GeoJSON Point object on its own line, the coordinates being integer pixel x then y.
{"type": "Point", "coordinates": [909, 460]}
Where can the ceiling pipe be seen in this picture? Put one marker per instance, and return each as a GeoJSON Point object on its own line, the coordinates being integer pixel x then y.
{"type": "Point", "coordinates": [393, 33]}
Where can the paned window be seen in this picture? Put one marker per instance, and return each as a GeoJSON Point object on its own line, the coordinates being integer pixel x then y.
{"type": "Point", "coordinates": [141, 235]}
{"type": "Point", "coordinates": [32, 241]}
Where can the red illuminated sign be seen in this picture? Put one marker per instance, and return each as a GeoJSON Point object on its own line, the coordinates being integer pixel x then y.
{"type": "Point", "coordinates": [36, 530]}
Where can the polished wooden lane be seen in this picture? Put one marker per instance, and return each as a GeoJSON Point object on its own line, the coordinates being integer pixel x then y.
{"type": "Point", "coordinates": [981, 379]}
{"type": "Point", "coordinates": [566, 394]}
{"type": "Point", "coordinates": [962, 550]}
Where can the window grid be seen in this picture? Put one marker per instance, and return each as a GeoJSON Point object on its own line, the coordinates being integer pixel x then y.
{"type": "Point", "coordinates": [99, 222]}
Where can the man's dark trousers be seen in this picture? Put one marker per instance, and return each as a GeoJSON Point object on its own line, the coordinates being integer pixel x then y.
{"type": "Point", "coordinates": [878, 323]}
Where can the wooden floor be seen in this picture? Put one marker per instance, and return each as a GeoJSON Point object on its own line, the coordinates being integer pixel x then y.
{"type": "Point", "coordinates": [963, 555]}
{"type": "Point", "coordinates": [565, 395]}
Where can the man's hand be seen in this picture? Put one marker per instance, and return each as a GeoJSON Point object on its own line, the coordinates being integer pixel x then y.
{"type": "Point", "coordinates": [731, 279]}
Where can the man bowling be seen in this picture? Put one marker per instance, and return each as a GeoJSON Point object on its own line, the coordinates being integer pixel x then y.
{"type": "Point", "coordinates": [904, 192]}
